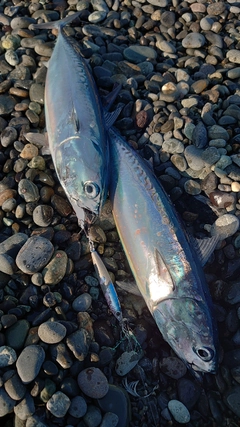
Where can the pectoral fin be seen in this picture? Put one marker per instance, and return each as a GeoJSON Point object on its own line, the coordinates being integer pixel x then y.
{"type": "Point", "coordinates": [204, 247]}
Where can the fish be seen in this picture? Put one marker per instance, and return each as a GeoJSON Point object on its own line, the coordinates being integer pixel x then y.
{"type": "Point", "coordinates": [166, 264]}
{"type": "Point", "coordinates": [76, 125]}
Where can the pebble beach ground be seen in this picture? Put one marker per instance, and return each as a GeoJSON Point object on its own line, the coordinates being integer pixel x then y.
{"type": "Point", "coordinates": [63, 361]}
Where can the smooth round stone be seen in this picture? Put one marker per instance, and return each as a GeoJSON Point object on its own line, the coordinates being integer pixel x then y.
{"type": "Point", "coordinates": [206, 23]}
{"type": "Point", "coordinates": [28, 190]}
{"type": "Point", "coordinates": [11, 41]}
{"type": "Point", "coordinates": [179, 411]}
{"type": "Point", "coordinates": [173, 367]}
{"type": "Point", "coordinates": [193, 156]}
{"type": "Point", "coordinates": [25, 408]}
{"type": "Point", "coordinates": [97, 16]}
{"type": "Point", "coordinates": [126, 362]}
{"type": "Point", "coordinates": [232, 400]}
{"type": "Point", "coordinates": [37, 162]}
{"type": "Point", "coordinates": [117, 401]}
{"type": "Point", "coordinates": [93, 417]}
{"type": "Point", "coordinates": [225, 226]}
{"type": "Point", "coordinates": [137, 54]}
{"type": "Point", "coordinates": [17, 333]}
{"type": "Point", "coordinates": [78, 343]}
{"type": "Point", "coordinates": [82, 302]}
{"type": "Point", "coordinates": [218, 132]}
{"type": "Point", "coordinates": [34, 254]}
{"type": "Point", "coordinates": [61, 205]}
{"type": "Point", "coordinates": [8, 136]}
{"type": "Point", "coordinates": [58, 404]}
{"type": "Point", "coordinates": [56, 269]}
{"type": "Point", "coordinates": [216, 9]}
{"type": "Point", "coordinates": [12, 58]}
{"type": "Point", "coordinates": [223, 162]}
{"type": "Point", "coordinates": [43, 49]}
{"type": "Point", "coordinates": [6, 403]}
{"type": "Point", "coordinates": [93, 383]}
{"type": "Point", "coordinates": [179, 162]}
{"type": "Point", "coordinates": [192, 187]}
{"type": "Point", "coordinates": [30, 362]}
{"type": "Point", "coordinates": [173, 146]}
{"type": "Point", "coordinates": [96, 234]}
{"type": "Point", "coordinates": [21, 22]}
{"type": "Point", "coordinates": [15, 388]}
{"type": "Point", "coordinates": [36, 93]}
{"type": "Point", "coordinates": [193, 41]}
{"type": "Point", "coordinates": [42, 215]}
{"type": "Point", "coordinates": [210, 156]}
{"type": "Point", "coordinates": [7, 264]}
{"type": "Point", "coordinates": [9, 205]}
{"type": "Point", "coordinates": [8, 356]}
{"type": "Point", "coordinates": [78, 407]}
{"type": "Point", "coordinates": [165, 46]}
{"type": "Point", "coordinates": [110, 420]}
{"type": "Point", "coordinates": [52, 332]}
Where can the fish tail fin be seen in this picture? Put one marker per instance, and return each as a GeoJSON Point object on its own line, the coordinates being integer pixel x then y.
{"type": "Point", "coordinates": [55, 24]}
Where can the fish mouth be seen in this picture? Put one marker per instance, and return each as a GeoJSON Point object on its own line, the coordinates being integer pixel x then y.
{"type": "Point", "coordinates": [88, 219]}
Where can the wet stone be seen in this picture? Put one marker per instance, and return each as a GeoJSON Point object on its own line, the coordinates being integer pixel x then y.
{"type": "Point", "coordinates": [55, 270]}
{"type": "Point", "coordinates": [93, 383]}
{"type": "Point", "coordinates": [58, 404]}
{"type": "Point", "coordinates": [82, 302]}
{"type": "Point", "coordinates": [51, 332]}
{"type": "Point", "coordinates": [8, 356]}
{"type": "Point", "coordinates": [28, 190]}
{"type": "Point", "coordinates": [34, 254]}
{"type": "Point", "coordinates": [30, 362]}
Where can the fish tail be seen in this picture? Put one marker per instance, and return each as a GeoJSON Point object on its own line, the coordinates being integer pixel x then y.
{"type": "Point", "coordinates": [55, 24]}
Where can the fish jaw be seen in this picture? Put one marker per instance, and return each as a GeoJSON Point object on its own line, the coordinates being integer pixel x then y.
{"type": "Point", "coordinates": [186, 326]}
{"type": "Point", "coordinates": [83, 181]}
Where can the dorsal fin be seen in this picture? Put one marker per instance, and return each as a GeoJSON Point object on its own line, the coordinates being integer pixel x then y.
{"type": "Point", "coordinates": [55, 24]}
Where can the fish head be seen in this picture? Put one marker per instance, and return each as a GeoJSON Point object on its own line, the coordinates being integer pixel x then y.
{"type": "Point", "coordinates": [187, 325]}
{"type": "Point", "coordinates": [82, 174]}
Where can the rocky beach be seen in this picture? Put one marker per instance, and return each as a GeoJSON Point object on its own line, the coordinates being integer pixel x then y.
{"type": "Point", "coordinates": [64, 360]}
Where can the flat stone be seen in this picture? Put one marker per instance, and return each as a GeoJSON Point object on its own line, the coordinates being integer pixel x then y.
{"type": "Point", "coordinates": [25, 408]}
{"type": "Point", "coordinates": [137, 54]}
{"type": "Point", "coordinates": [225, 226]}
{"type": "Point", "coordinates": [58, 404]}
{"type": "Point", "coordinates": [78, 407]}
{"type": "Point", "coordinates": [179, 411]}
{"type": "Point", "coordinates": [6, 403]}
{"type": "Point", "coordinates": [15, 388]}
{"type": "Point", "coordinates": [117, 401]}
{"type": "Point", "coordinates": [55, 270]}
{"type": "Point", "coordinates": [30, 362]}
{"type": "Point", "coordinates": [78, 342]}
{"type": "Point", "coordinates": [17, 333]}
{"type": "Point", "coordinates": [8, 356]}
{"type": "Point", "coordinates": [28, 190]}
{"type": "Point", "coordinates": [52, 332]}
{"type": "Point", "coordinates": [193, 41]}
{"type": "Point", "coordinates": [93, 383]}
{"type": "Point", "coordinates": [126, 362]}
{"type": "Point", "coordinates": [82, 302]}
{"type": "Point", "coordinates": [34, 254]}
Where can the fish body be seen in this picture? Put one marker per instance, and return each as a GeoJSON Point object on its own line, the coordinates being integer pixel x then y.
{"type": "Point", "coordinates": [164, 265]}
{"type": "Point", "coordinates": [75, 124]}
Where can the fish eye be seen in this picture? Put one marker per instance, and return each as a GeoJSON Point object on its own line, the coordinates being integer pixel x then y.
{"type": "Point", "coordinates": [91, 189]}
{"type": "Point", "coordinates": [205, 353]}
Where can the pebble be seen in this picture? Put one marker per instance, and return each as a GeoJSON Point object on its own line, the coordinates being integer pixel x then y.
{"type": "Point", "coordinates": [78, 407]}
{"type": "Point", "coordinates": [6, 403]}
{"type": "Point", "coordinates": [34, 254]}
{"type": "Point", "coordinates": [82, 302]}
{"type": "Point", "coordinates": [116, 401]}
{"type": "Point", "coordinates": [15, 388]}
{"type": "Point", "coordinates": [225, 226]}
{"type": "Point", "coordinates": [25, 408]}
{"type": "Point", "coordinates": [179, 411]}
{"type": "Point", "coordinates": [109, 420]}
{"type": "Point", "coordinates": [51, 332]}
{"type": "Point", "coordinates": [29, 363]}
{"type": "Point", "coordinates": [8, 356]}
{"type": "Point", "coordinates": [93, 383]}
{"type": "Point", "coordinates": [56, 269]}
{"type": "Point", "coordinates": [232, 400]}
{"type": "Point", "coordinates": [126, 362]}
{"type": "Point", "coordinates": [78, 343]}
{"type": "Point", "coordinates": [173, 367]}
{"type": "Point", "coordinates": [58, 404]}
{"type": "Point", "coordinates": [93, 416]}
{"type": "Point", "coordinates": [42, 215]}
{"type": "Point", "coordinates": [28, 190]}
{"type": "Point", "coordinates": [17, 333]}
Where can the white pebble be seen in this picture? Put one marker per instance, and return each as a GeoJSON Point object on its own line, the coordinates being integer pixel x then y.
{"type": "Point", "coordinates": [179, 411]}
{"type": "Point", "coordinates": [225, 226]}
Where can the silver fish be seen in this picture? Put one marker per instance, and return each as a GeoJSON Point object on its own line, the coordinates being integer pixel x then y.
{"type": "Point", "coordinates": [166, 268]}
{"type": "Point", "coordinates": [75, 124]}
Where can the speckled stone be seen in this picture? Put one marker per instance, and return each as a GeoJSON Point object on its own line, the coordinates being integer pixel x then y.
{"type": "Point", "coordinates": [58, 404]}
{"type": "Point", "coordinates": [8, 356]}
{"type": "Point", "coordinates": [82, 302]}
{"type": "Point", "coordinates": [51, 332]}
{"type": "Point", "coordinates": [93, 383]}
{"type": "Point", "coordinates": [29, 363]}
{"type": "Point", "coordinates": [34, 254]}
{"type": "Point", "coordinates": [55, 270]}
{"type": "Point", "coordinates": [29, 151]}
{"type": "Point", "coordinates": [179, 411]}
{"type": "Point", "coordinates": [126, 362]}
{"type": "Point", "coordinates": [42, 215]}
{"type": "Point", "coordinates": [28, 190]}
{"type": "Point", "coordinates": [78, 407]}
{"type": "Point", "coordinates": [173, 367]}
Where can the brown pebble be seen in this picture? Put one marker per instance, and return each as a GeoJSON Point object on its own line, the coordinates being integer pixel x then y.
{"type": "Point", "coordinates": [21, 93]}
{"type": "Point", "coordinates": [61, 205]}
{"type": "Point", "coordinates": [141, 119]}
{"type": "Point", "coordinates": [7, 194]}
{"type": "Point", "coordinates": [21, 106]}
{"type": "Point", "coordinates": [29, 151]}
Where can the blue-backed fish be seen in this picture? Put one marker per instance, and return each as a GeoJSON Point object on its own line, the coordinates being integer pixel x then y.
{"type": "Point", "coordinates": [166, 267]}
{"type": "Point", "coordinates": [75, 124]}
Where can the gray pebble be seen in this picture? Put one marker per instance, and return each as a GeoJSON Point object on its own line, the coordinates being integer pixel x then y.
{"type": "Point", "coordinates": [173, 367]}
{"type": "Point", "coordinates": [78, 342]}
{"type": "Point", "coordinates": [179, 411]}
{"type": "Point", "coordinates": [8, 356]}
{"type": "Point", "coordinates": [173, 146]}
{"type": "Point", "coordinates": [15, 388]}
{"type": "Point", "coordinates": [36, 93]}
{"type": "Point", "coordinates": [11, 57]}
{"type": "Point", "coordinates": [7, 104]}
{"type": "Point", "coordinates": [28, 190]}
{"type": "Point", "coordinates": [30, 362]}
{"type": "Point", "coordinates": [58, 404]}
{"type": "Point", "coordinates": [93, 417]}
{"type": "Point", "coordinates": [7, 264]}
{"type": "Point", "coordinates": [78, 407]}
{"type": "Point", "coordinates": [193, 41]}
{"type": "Point", "coordinates": [192, 187]}
{"type": "Point", "coordinates": [52, 332]}
{"type": "Point", "coordinates": [17, 333]}
{"type": "Point", "coordinates": [25, 408]}
{"type": "Point", "coordinates": [61, 355]}
{"type": "Point", "coordinates": [109, 420]}
{"type": "Point", "coordinates": [55, 270]}
{"type": "Point", "coordinates": [82, 302]}
{"type": "Point", "coordinates": [126, 362]}
{"type": "Point", "coordinates": [137, 54]}
{"type": "Point", "coordinates": [34, 254]}
{"type": "Point", "coordinates": [116, 401]}
{"type": "Point", "coordinates": [193, 156]}
{"type": "Point", "coordinates": [97, 16]}
{"type": "Point", "coordinates": [6, 403]}
{"type": "Point", "coordinates": [93, 383]}
{"type": "Point", "coordinates": [8, 136]}
{"type": "Point", "coordinates": [21, 22]}
{"type": "Point", "coordinates": [225, 226]}
{"type": "Point", "coordinates": [42, 215]}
